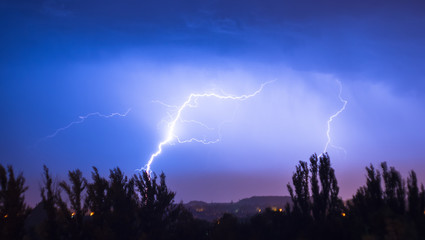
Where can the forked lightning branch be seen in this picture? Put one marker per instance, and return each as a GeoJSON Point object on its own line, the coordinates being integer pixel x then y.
{"type": "Point", "coordinates": [192, 101]}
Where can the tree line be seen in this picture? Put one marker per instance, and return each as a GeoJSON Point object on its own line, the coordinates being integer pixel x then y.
{"type": "Point", "coordinates": [386, 207]}
{"type": "Point", "coordinates": [142, 207]}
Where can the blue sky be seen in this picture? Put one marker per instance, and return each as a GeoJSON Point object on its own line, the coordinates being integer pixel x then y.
{"type": "Point", "coordinates": [62, 59]}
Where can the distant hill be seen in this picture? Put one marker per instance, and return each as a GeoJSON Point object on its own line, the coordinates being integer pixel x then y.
{"type": "Point", "coordinates": [207, 211]}
{"type": "Point", "coordinates": [243, 208]}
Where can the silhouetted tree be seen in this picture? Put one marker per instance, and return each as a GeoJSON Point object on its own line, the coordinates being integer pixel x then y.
{"type": "Point", "coordinates": [329, 203]}
{"type": "Point", "coordinates": [413, 195]}
{"type": "Point", "coordinates": [123, 203]}
{"type": "Point", "coordinates": [99, 205]}
{"type": "Point", "coordinates": [336, 203]}
{"type": "Point", "coordinates": [157, 209]}
{"type": "Point", "coordinates": [317, 204]}
{"type": "Point", "coordinates": [74, 192]}
{"type": "Point", "coordinates": [51, 201]}
{"type": "Point", "coordinates": [324, 198]}
{"type": "Point", "coordinates": [369, 198]}
{"type": "Point", "coordinates": [13, 210]}
{"type": "Point", "coordinates": [325, 182]}
{"type": "Point", "coordinates": [366, 206]}
{"type": "Point", "coordinates": [395, 192]}
{"type": "Point", "coordinates": [301, 196]}
{"type": "Point", "coordinates": [373, 188]}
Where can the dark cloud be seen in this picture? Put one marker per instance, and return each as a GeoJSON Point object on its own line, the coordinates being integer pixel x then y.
{"type": "Point", "coordinates": [354, 39]}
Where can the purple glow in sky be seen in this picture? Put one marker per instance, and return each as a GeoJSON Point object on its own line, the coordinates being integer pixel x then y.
{"type": "Point", "coordinates": [63, 59]}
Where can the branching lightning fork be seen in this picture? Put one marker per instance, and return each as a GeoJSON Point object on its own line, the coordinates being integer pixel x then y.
{"type": "Point", "coordinates": [191, 101]}
{"type": "Point", "coordinates": [331, 118]}
{"type": "Point", "coordinates": [81, 120]}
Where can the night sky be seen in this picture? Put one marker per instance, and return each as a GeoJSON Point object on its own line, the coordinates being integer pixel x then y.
{"type": "Point", "coordinates": [61, 59]}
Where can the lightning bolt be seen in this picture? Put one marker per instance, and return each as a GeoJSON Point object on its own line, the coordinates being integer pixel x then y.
{"type": "Point", "coordinates": [81, 120]}
{"type": "Point", "coordinates": [192, 101]}
{"type": "Point", "coordinates": [331, 118]}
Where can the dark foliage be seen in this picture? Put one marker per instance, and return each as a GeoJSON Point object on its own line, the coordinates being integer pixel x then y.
{"type": "Point", "coordinates": [142, 207]}
{"type": "Point", "coordinates": [13, 210]}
